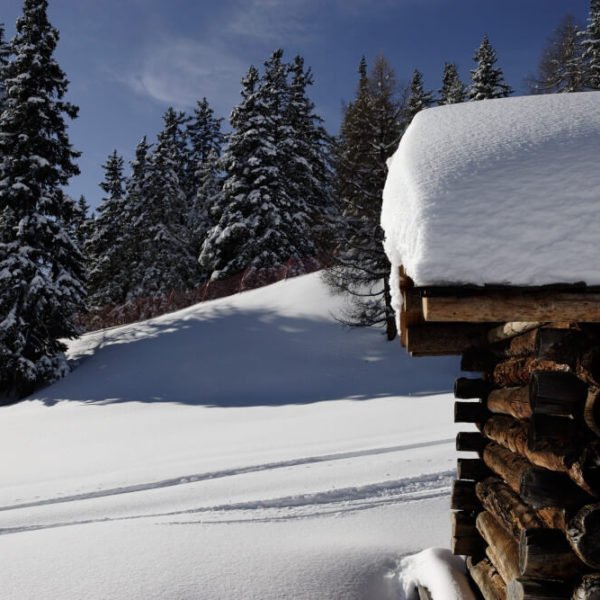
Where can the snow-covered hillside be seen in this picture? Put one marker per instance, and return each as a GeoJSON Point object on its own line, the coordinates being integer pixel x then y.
{"type": "Point", "coordinates": [245, 448]}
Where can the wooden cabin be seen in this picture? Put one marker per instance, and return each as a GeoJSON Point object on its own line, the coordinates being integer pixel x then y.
{"type": "Point", "coordinates": [526, 501]}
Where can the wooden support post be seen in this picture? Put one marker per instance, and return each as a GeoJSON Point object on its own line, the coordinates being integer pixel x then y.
{"type": "Point", "coordinates": [502, 549]}
{"type": "Point", "coordinates": [546, 554]}
{"type": "Point", "coordinates": [506, 506]}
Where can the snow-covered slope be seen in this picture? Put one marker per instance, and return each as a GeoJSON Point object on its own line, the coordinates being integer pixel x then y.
{"type": "Point", "coordinates": [501, 191]}
{"type": "Point", "coordinates": [248, 447]}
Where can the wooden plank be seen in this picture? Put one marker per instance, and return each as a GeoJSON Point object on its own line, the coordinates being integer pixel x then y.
{"type": "Point", "coordinates": [532, 307]}
{"type": "Point", "coordinates": [438, 339]}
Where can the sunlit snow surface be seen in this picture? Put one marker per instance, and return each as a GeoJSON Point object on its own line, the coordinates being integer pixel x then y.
{"type": "Point", "coordinates": [245, 448]}
{"type": "Point", "coordinates": [499, 191]}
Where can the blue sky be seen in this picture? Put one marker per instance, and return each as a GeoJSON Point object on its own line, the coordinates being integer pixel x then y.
{"type": "Point", "coordinates": [128, 60]}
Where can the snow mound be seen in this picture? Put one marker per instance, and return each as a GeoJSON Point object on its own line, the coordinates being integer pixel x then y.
{"type": "Point", "coordinates": [438, 570]}
{"type": "Point", "coordinates": [500, 191]}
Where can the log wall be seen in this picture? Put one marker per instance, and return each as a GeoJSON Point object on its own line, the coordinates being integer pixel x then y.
{"type": "Point", "coordinates": [526, 502]}
{"type": "Point", "coordinates": [527, 496]}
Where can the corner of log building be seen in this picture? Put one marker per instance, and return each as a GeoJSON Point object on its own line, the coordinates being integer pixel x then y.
{"type": "Point", "coordinates": [526, 502]}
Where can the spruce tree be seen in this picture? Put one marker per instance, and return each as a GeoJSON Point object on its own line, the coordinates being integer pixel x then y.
{"type": "Point", "coordinates": [108, 279]}
{"type": "Point", "coordinates": [370, 132]}
{"type": "Point", "coordinates": [164, 255]}
{"type": "Point", "coordinates": [418, 98]}
{"type": "Point", "coordinates": [487, 80]}
{"type": "Point", "coordinates": [5, 53]}
{"type": "Point", "coordinates": [591, 46]}
{"type": "Point", "coordinates": [260, 227]}
{"type": "Point", "coordinates": [206, 140]}
{"type": "Point", "coordinates": [308, 172]}
{"type": "Point", "coordinates": [453, 89]}
{"type": "Point", "coordinates": [561, 65]}
{"type": "Point", "coordinates": [41, 266]}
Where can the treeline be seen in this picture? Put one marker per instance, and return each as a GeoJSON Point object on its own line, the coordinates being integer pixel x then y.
{"type": "Point", "coordinates": [198, 213]}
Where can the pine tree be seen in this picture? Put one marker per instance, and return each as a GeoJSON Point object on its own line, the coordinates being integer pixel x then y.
{"type": "Point", "coordinates": [487, 79]}
{"type": "Point", "coordinates": [260, 228]}
{"type": "Point", "coordinates": [561, 65]}
{"type": "Point", "coordinates": [370, 132]}
{"type": "Point", "coordinates": [164, 255]}
{"type": "Point", "coordinates": [5, 53]}
{"type": "Point", "coordinates": [453, 89]}
{"type": "Point", "coordinates": [418, 98]}
{"type": "Point", "coordinates": [108, 280]}
{"type": "Point", "coordinates": [308, 172]}
{"type": "Point", "coordinates": [41, 267]}
{"type": "Point", "coordinates": [591, 46]}
{"type": "Point", "coordinates": [206, 140]}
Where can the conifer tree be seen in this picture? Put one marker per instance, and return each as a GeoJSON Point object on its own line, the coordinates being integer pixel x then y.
{"type": "Point", "coordinates": [591, 47]}
{"type": "Point", "coordinates": [41, 267]}
{"type": "Point", "coordinates": [561, 65]}
{"type": "Point", "coordinates": [108, 279]}
{"type": "Point", "coordinates": [206, 140]}
{"type": "Point", "coordinates": [370, 132]}
{"type": "Point", "coordinates": [453, 89]}
{"type": "Point", "coordinates": [259, 228]}
{"type": "Point", "coordinates": [418, 98]}
{"type": "Point", "coordinates": [487, 80]}
{"type": "Point", "coordinates": [5, 52]}
{"type": "Point", "coordinates": [164, 257]}
{"type": "Point", "coordinates": [308, 171]}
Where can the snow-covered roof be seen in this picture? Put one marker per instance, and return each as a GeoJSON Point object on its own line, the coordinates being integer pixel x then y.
{"type": "Point", "coordinates": [498, 191]}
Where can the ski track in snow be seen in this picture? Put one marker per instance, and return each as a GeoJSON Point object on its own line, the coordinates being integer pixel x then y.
{"type": "Point", "coordinates": [311, 505]}
{"type": "Point", "coordinates": [198, 477]}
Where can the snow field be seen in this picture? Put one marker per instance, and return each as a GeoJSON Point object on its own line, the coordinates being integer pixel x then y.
{"type": "Point", "coordinates": [302, 463]}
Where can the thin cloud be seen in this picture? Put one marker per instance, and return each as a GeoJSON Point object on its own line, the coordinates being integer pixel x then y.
{"type": "Point", "coordinates": [179, 71]}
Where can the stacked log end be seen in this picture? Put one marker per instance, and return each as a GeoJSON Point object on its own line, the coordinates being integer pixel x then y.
{"type": "Point", "coordinates": [526, 501]}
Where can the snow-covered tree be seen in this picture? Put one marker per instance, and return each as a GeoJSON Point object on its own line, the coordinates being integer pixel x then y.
{"type": "Point", "coordinates": [308, 171]}
{"type": "Point", "coordinates": [164, 258]}
{"type": "Point", "coordinates": [561, 65]}
{"type": "Point", "coordinates": [453, 89]}
{"type": "Point", "coordinates": [260, 227]}
{"type": "Point", "coordinates": [370, 132]}
{"type": "Point", "coordinates": [591, 47]}
{"type": "Point", "coordinates": [5, 52]}
{"type": "Point", "coordinates": [418, 98]}
{"type": "Point", "coordinates": [41, 266]}
{"type": "Point", "coordinates": [106, 248]}
{"type": "Point", "coordinates": [487, 80]}
{"type": "Point", "coordinates": [206, 140]}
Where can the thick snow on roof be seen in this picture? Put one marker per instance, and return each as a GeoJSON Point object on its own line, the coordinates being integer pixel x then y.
{"type": "Point", "coordinates": [498, 191]}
